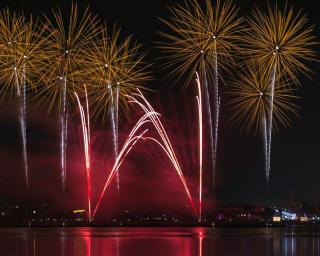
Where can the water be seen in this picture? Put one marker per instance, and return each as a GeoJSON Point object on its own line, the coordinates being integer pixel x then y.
{"type": "Point", "coordinates": [158, 241]}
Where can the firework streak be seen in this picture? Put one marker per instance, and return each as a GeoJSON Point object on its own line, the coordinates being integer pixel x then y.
{"type": "Point", "coordinates": [64, 133]}
{"type": "Point", "coordinates": [150, 116]}
{"type": "Point", "coordinates": [209, 113]}
{"type": "Point", "coordinates": [21, 93]}
{"type": "Point", "coordinates": [114, 124]}
{"type": "Point", "coordinates": [217, 109]}
{"type": "Point", "coordinates": [85, 122]}
{"type": "Point", "coordinates": [116, 108]}
{"type": "Point", "coordinates": [166, 144]}
{"type": "Point", "coordinates": [199, 101]}
{"type": "Point", "coordinates": [269, 128]}
{"type": "Point", "coordinates": [128, 145]}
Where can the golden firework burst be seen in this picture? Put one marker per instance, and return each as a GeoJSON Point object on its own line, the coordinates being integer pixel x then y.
{"type": "Point", "coordinates": [112, 69]}
{"type": "Point", "coordinates": [250, 98]}
{"type": "Point", "coordinates": [22, 54]}
{"type": "Point", "coordinates": [201, 38]}
{"type": "Point", "coordinates": [281, 40]}
{"type": "Point", "coordinates": [68, 37]}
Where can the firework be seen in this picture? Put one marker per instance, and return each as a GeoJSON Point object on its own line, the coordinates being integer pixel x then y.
{"type": "Point", "coordinates": [22, 58]}
{"type": "Point", "coordinates": [68, 38]}
{"type": "Point", "coordinates": [127, 146]}
{"type": "Point", "coordinates": [113, 69]}
{"type": "Point", "coordinates": [199, 101]}
{"type": "Point", "coordinates": [203, 40]}
{"type": "Point", "coordinates": [280, 41]}
{"type": "Point", "coordinates": [164, 141]}
{"type": "Point", "coordinates": [85, 122]}
{"type": "Point", "coordinates": [150, 116]}
{"type": "Point", "coordinates": [252, 98]}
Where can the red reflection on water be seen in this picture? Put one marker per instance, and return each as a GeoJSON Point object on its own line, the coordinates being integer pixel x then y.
{"type": "Point", "coordinates": [200, 241]}
{"type": "Point", "coordinates": [102, 242]}
{"type": "Point", "coordinates": [157, 242]}
{"type": "Point", "coordinates": [88, 243]}
{"type": "Point", "coordinates": [137, 246]}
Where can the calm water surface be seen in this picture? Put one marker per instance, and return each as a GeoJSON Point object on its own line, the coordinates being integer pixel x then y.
{"type": "Point", "coordinates": [158, 242]}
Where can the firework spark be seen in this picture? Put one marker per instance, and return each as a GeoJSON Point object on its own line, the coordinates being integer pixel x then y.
{"type": "Point", "coordinates": [280, 42]}
{"type": "Point", "coordinates": [22, 58]}
{"type": "Point", "coordinates": [203, 41]}
{"type": "Point", "coordinates": [164, 141]}
{"type": "Point", "coordinates": [85, 122]}
{"type": "Point", "coordinates": [131, 140]}
{"type": "Point", "coordinates": [150, 116]}
{"type": "Point", "coordinates": [113, 69]}
{"type": "Point", "coordinates": [254, 99]}
{"type": "Point", "coordinates": [199, 101]}
{"type": "Point", "coordinates": [68, 38]}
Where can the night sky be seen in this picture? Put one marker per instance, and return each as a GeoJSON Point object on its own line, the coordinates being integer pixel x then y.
{"type": "Point", "coordinates": [295, 164]}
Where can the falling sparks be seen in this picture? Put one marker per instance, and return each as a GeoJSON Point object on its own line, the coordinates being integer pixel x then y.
{"type": "Point", "coordinates": [199, 101]}
{"type": "Point", "coordinates": [21, 94]}
{"type": "Point", "coordinates": [113, 69]}
{"type": "Point", "coordinates": [203, 40]}
{"type": "Point", "coordinates": [150, 116]}
{"type": "Point", "coordinates": [259, 105]}
{"type": "Point", "coordinates": [165, 141]}
{"type": "Point", "coordinates": [114, 127]}
{"type": "Point", "coordinates": [269, 123]}
{"type": "Point", "coordinates": [68, 37]}
{"type": "Point", "coordinates": [209, 114]}
{"type": "Point", "coordinates": [125, 150]}
{"type": "Point", "coordinates": [22, 59]}
{"type": "Point", "coordinates": [85, 122]}
{"type": "Point", "coordinates": [280, 43]}
{"type": "Point", "coordinates": [64, 133]}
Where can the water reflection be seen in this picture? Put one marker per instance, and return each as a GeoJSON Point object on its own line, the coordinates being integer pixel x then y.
{"type": "Point", "coordinates": [158, 241]}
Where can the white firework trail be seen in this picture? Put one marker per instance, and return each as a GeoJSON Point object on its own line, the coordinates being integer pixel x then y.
{"type": "Point", "coordinates": [217, 109]}
{"type": "Point", "coordinates": [117, 130]}
{"type": "Point", "coordinates": [165, 143]}
{"type": "Point", "coordinates": [269, 123]}
{"type": "Point", "coordinates": [114, 125]}
{"type": "Point", "coordinates": [209, 113]}
{"type": "Point", "coordinates": [216, 134]}
{"type": "Point", "coordinates": [21, 94]}
{"type": "Point", "coordinates": [64, 133]}
{"type": "Point", "coordinates": [131, 140]}
{"type": "Point", "coordinates": [199, 101]}
{"type": "Point", "coordinates": [150, 116]}
{"type": "Point", "coordinates": [85, 123]}
{"type": "Point", "coordinates": [265, 145]}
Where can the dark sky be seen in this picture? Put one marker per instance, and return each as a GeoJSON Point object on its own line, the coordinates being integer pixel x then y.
{"type": "Point", "coordinates": [240, 177]}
